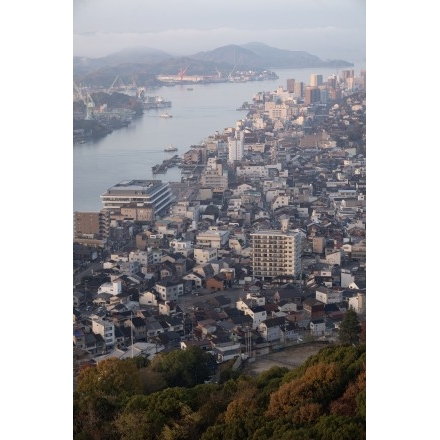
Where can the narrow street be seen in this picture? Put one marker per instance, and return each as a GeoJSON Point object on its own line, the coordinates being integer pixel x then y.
{"type": "Point", "coordinates": [89, 270]}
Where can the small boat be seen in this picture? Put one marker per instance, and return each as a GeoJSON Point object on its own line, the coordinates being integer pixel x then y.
{"type": "Point", "coordinates": [165, 115]}
{"type": "Point", "coordinates": [170, 149]}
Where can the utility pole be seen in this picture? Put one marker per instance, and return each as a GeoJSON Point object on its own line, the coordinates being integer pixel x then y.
{"type": "Point", "coordinates": [131, 326]}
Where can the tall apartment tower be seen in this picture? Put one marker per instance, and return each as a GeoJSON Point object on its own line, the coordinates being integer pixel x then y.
{"type": "Point", "coordinates": [364, 76]}
{"type": "Point", "coordinates": [299, 89]}
{"type": "Point", "coordinates": [290, 85]}
{"type": "Point", "coordinates": [236, 147]}
{"type": "Point", "coordinates": [276, 253]}
{"type": "Point", "coordinates": [316, 80]}
{"type": "Point", "coordinates": [312, 95]}
{"type": "Point", "coordinates": [345, 74]}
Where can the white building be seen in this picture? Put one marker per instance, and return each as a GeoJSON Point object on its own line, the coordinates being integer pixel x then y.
{"type": "Point", "coordinates": [186, 209]}
{"type": "Point", "coordinates": [114, 287]}
{"type": "Point", "coordinates": [257, 171]}
{"type": "Point", "coordinates": [169, 290]}
{"type": "Point", "coordinates": [317, 327]}
{"type": "Point", "coordinates": [202, 256]}
{"type": "Point", "coordinates": [104, 328]}
{"type": "Point", "coordinates": [147, 298]}
{"type": "Point", "coordinates": [328, 296]}
{"type": "Point", "coordinates": [213, 238]}
{"type": "Point", "coordinates": [358, 303]}
{"type": "Point", "coordinates": [236, 147]}
{"type": "Point", "coordinates": [183, 247]}
{"type": "Point", "coordinates": [150, 193]}
{"type": "Point", "coordinates": [142, 257]}
{"type": "Point", "coordinates": [258, 315]}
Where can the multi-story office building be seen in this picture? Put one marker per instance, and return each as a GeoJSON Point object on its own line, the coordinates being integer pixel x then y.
{"type": "Point", "coordinates": [299, 89]}
{"type": "Point", "coordinates": [151, 194]}
{"type": "Point", "coordinates": [275, 253]}
{"type": "Point", "coordinates": [312, 95]}
{"type": "Point", "coordinates": [290, 85]}
{"type": "Point", "coordinates": [91, 228]}
{"type": "Point", "coordinates": [345, 74]}
{"type": "Point", "coordinates": [316, 80]}
{"type": "Point", "coordinates": [214, 176]}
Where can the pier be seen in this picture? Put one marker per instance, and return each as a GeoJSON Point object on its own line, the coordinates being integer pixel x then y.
{"type": "Point", "coordinates": [167, 163]}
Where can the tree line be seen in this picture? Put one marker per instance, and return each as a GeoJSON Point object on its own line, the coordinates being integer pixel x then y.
{"type": "Point", "coordinates": [135, 399]}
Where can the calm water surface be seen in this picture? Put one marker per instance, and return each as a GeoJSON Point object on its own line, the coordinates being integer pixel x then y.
{"type": "Point", "coordinates": [129, 153]}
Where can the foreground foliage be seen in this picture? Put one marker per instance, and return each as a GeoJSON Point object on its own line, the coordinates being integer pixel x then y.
{"type": "Point", "coordinates": [324, 398]}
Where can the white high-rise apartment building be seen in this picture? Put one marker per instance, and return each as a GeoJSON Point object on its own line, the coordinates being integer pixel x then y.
{"type": "Point", "coordinates": [275, 253]}
{"type": "Point", "coordinates": [236, 147]}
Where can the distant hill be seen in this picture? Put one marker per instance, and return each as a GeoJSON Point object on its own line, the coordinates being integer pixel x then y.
{"type": "Point", "coordinates": [143, 63]}
{"type": "Point", "coordinates": [135, 55]}
{"type": "Point", "coordinates": [261, 56]}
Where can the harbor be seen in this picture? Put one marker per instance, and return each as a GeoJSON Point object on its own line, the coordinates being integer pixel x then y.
{"type": "Point", "coordinates": [163, 167]}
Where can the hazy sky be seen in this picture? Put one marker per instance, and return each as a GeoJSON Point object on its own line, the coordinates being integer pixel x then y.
{"type": "Point", "coordinates": [326, 28]}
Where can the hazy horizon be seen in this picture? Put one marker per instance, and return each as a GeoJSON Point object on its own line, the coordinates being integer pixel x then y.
{"type": "Point", "coordinates": [329, 29]}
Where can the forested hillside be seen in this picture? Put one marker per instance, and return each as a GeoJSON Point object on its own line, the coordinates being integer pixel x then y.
{"type": "Point", "coordinates": [167, 399]}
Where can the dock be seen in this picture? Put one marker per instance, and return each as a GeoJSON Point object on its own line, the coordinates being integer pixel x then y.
{"type": "Point", "coordinates": [167, 163]}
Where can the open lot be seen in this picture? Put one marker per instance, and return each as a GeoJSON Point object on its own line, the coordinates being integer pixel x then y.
{"type": "Point", "coordinates": [289, 357]}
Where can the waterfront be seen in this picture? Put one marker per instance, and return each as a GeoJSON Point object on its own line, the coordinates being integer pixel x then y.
{"type": "Point", "coordinates": [131, 152]}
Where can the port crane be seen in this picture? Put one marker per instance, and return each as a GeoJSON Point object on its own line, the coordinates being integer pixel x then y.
{"type": "Point", "coordinates": [90, 107]}
{"type": "Point", "coordinates": [78, 91]}
{"type": "Point", "coordinates": [182, 72]}
{"type": "Point", "coordinates": [118, 80]}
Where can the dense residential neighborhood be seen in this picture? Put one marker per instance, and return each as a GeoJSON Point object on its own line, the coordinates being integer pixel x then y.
{"type": "Point", "coordinates": [262, 244]}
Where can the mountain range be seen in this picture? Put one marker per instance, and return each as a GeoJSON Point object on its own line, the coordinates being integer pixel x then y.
{"type": "Point", "coordinates": [143, 62]}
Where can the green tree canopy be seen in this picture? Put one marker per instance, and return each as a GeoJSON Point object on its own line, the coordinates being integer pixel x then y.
{"type": "Point", "coordinates": [183, 368]}
{"type": "Point", "coordinates": [350, 329]}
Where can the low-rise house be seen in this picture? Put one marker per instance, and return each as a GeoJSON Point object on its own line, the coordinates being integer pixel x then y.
{"type": "Point", "coordinates": [220, 301]}
{"type": "Point", "coordinates": [172, 323]}
{"type": "Point", "coordinates": [358, 302]}
{"type": "Point", "coordinates": [106, 329]}
{"type": "Point", "coordinates": [114, 287]}
{"type": "Point", "coordinates": [169, 290]}
{"type": "Point", "coordinates": [270, 329]}
{"type": "Point", "coordinates": [287, 306]}
{"type": "Point", "coordinates": [217, 282]}
{"type": "Point", "coordinates": [207, 326]}
{"type": "Point", "coordinates": [153, 327]}
{"type": "Point", "coordinates": [328, 296]}
{"type": "Point", "coordinates": [169, 339]}
{"type": "Point", "coordinates": [195, 278]}
{"type": "Point", "coordinates": [166, 307]}
{"type": "Point", "coordinates": [204, 255]}
{"type": "Point", "coordinates": [258, 315]}
{"type": "Point", "coordinates": [289, 332]}
{"type": "Point", "coordinates": [288, 294]}
{"type": "Point", "coordinates": [138, 326]}
{"type": "Point", "coordinates": [317, 327]}
{"type": "Point", "coordinates": [226, 353]}
{"type": "Point", "coordinates": [314, 308]}
{"type": "Point", "coordinates": [148, 298]}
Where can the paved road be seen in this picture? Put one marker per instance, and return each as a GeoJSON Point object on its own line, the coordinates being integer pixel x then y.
{"type": "Point", "coordinates": [89, 270]}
